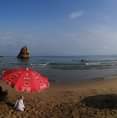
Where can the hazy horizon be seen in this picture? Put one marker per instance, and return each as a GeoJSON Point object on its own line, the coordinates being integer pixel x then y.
{"type": "Point", "coordinates": [93, 55]}
{"type": "Point", "coordinates": [58, 27]}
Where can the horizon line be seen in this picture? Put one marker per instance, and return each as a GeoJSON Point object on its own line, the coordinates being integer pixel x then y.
{"type": "Point", "coordinates": [61, 55]}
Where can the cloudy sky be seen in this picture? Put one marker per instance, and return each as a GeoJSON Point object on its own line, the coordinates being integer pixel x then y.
{"type": "Point", "coordinates": [58, 27]}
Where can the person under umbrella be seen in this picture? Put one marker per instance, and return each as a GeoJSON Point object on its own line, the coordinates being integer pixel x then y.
{"type": "Point", "coordinates": [25, 80]}
{"type": "Point", "coordinates": [19, 105]}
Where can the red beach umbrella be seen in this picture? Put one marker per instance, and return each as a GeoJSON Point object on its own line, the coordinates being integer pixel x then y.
{"type": "Point", "coordinates": [25, 79]}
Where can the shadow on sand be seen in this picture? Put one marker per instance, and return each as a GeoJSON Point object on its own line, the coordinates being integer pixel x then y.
{"type": "Point", "coordinates": [4, 97]}
{"type": "Point", "coordinates": [108, 101]}
{"type": "Point", "coordinates": [3, 94]}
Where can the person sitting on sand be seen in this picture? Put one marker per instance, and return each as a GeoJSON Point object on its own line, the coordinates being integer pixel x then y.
{"type": "Point", "coordinates": [19, 105]}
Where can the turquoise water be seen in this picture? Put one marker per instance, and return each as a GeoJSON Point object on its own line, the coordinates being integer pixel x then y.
{"type": "Point", "coordinates": [66, 68]}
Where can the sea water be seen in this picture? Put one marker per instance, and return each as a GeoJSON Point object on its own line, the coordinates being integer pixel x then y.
{"type": "Point", "coordinates": [66, 69]}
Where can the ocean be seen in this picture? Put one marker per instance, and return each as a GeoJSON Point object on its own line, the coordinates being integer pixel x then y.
{"type": "Point", "coordinates": [67, 69]}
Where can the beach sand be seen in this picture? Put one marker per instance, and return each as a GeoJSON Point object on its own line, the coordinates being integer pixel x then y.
{"type": "Point", "coordinates": [89, 99]}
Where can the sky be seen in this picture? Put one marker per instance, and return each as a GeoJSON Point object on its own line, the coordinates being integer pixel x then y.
{"type": "Point", "coordinates": [58, 27]}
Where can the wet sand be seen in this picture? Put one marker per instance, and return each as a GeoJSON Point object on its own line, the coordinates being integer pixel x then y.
{"type": "Point", "coordinates": [90, 99]}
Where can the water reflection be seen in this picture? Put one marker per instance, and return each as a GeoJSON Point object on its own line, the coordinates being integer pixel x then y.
{"type": "Point", "coordinates": [23, 60]}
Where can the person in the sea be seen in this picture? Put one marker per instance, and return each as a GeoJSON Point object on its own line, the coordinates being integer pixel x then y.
{"type": "Point", "coordinates": [19, 105]}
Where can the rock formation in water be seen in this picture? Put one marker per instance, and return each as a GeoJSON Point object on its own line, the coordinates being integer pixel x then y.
{"type": "Point", "coordinates": [24, 53]}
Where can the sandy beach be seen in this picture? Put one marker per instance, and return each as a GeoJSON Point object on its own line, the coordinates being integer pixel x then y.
{"type": "Point", "coordinates": [92, 99]}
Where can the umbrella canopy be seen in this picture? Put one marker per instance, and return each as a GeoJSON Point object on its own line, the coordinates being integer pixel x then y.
{"type": "Point", "coordinates": [25, 79]}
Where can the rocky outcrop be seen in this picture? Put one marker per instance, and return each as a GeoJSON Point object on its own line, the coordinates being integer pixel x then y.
{"type": "Point", "coordinates": [24, 53]}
